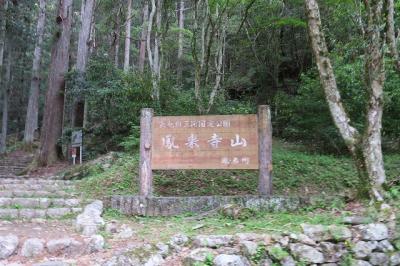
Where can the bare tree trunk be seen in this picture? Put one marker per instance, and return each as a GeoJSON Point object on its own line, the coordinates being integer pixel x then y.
{"type": "Point", "coordinates": [31, 122]}
{"type": "Point", "coordinates": [3, 24]}
{"type": "Point", "coordinates": [365, 149]}
{"type": "Point", "coordinates": [128, 36]}
{"type": "Point", "coordinates": [157, 58]}
{"type": "Point", "coordinates": [84, 35]}
{"type": "Point", "coordinates": [219, 61]}
{"type": "Point", "coordinates": [154, 56]}
{"type": "Point", "coordinates": [391, 34]}
{"type": "Point", "coordinates": [53, 113]}
{"type": "Point", "coordinates": [115, 44]}
{"type": "Point", "coordinates": [375, 80]}
{"type": "Point", "coordinates": [199, 61]}
{"type": "Point", "coordinates": [143, 38]}
{"type": "Point", "coordinates": [3, 85]}
{"type": "Point", "coordinates": [84, 45]}
{"type": "Point", "coordinates": [180, 41]}
{"type": "Point", "coordinates": [149, 29]}
{"type": "Point", "coordinates": [7, 88]}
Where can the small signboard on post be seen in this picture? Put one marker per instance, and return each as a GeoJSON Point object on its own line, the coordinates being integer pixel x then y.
{"type": "Point", "coordinates": [206, 142]}
{"type": "Point", "coordinates": [76, 142]}
{"type": "Point", "coordinates": [76, 138]}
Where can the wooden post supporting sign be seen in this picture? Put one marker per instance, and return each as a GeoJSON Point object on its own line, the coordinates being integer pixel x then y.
{"type": "Point", "coordinates": [145, 169]}
{"type": "Point", "coordinates": [264, 150]}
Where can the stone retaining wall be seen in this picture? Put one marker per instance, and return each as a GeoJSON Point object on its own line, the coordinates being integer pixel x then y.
{"type": "Point", "coordinates": [169, 206]}
{"type": "Point", "coordinates": [326, 245]}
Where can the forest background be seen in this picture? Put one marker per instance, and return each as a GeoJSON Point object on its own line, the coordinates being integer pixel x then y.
{"type": "Point", "coordinates": [185, 57]}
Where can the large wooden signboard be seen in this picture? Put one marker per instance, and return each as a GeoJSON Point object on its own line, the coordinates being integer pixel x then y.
{"type": "Point", "coordinates": [205, 142]}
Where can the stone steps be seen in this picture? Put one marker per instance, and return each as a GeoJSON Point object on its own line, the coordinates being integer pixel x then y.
{"type": "Point", "coordinates": [36, 194]}
{"type": "Point", "coordinates": [41, 203]}
{"type": "Point", "coordinates": [30, 198]}
{"type": "Point", "coordinates": [15, 161]}
{"type": "Point", "coordinates": [14, 164]}
{"type": "Point", "coordinates": [36, 187]}
{"type": "Point", "coordinates": [26, 180]}
{"type": "Point", "coordinates": [26, 213]}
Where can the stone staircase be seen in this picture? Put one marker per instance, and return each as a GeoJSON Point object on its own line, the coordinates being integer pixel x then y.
{"type": "Point", "coordinates": [13, 164]}
{"type": "Point", "coordinates": [31, 198]}
{"type": "Point", "coordinates": [25, 198]}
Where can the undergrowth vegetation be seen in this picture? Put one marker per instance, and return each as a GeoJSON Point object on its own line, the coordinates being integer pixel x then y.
{"type": "Point", "coordinates": [165, 227]}
{"type": "Point", "coordinates": [296, 172]}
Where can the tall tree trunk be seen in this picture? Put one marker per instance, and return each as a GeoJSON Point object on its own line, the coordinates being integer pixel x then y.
{"type": "Point", "coordinates": [366, 148]}
{"type": "Point", "coordinates": [128, 36]}
{"type": "Point", "coordinates": [84, 35]}
{"type": "Point", "coordinates": [54, 107]}
{"type": "Point", "coordinates": [143, 38]}
{"type": "Point", "coordinates": [375, 80]}
{"type": "Point", "coordinates": [31, 122]}
{"type": "Point", "coordinates": [3, 85]}
{"type": "Point", "coordinates": [154, 56]}
{"type": "Point", "coordinates": [157, 45]}
{"type": "Point", "coordinates": [6, 91]}
{"type": "Point", "coordinates": [181, 24]}
{"type": "Point", "coordinates": [3, 24]}
{"type": "Point", "coordinates": [84, 45]}
{"type": "Point", "coordinates": [219, 62]}
{"type": "Point", "coordinates": [115, 43]}
{"type": "Point", "coordinates": [391, 34]}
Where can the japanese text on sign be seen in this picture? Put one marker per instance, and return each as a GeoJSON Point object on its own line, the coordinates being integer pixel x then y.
{"type": "Point", "coordinates": [205, 142]}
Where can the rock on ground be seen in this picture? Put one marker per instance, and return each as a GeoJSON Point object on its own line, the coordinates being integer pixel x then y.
{"type": "Point", "coordinates": [90, 221]}
{"type": "Point", "coordinates": [212, 241]}
{"type": "Point", "coordinates": [64, 246]}
{"type": "Point", "coordinates": [379, 259]}
{"type": "Point", "coordinates": [230, 260]}
{"type": "Point", "coordinates": [333, 252]}
{"type": "Point", "coordinates": [288, 261]}
{"type": "Point", "coordinates": [395, 259]}
{"type": "Point", "coordinates": [52, 263]}
{"type": "Point", "coordinates": [361, 263]}
{"type": "Point", "coordinates": [155, 260]}
{"type": "Point", "coordinates": [363, 249]}
{"type": "Point", "coordinates": [197, 256]}
{"type": "Point", "coordinates": [372, 232]}
{"type": "Point", "coordinates": [163, 249]}
{"type": "Point", "coordinates": [316, 232]}
{"type": "Point", "coordinates": [32, 247]}
{"type": "Point", "coordinates": [96, 244]}
{"type": "Point", "coordinates": [249, 248]}
{"type": "Point", "coordinates": [306, 253]}
{"type": "Point", "coordinates": [125, 233]}
{"type": "Point", "coordinates": [8, 245]}
{"type": "Point", "coordinates": [122, 260]}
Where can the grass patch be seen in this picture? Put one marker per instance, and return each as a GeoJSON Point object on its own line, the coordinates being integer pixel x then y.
{"type": "Point", "coordinates": [274, 223]}
{"type": "Point", "coordinates": [119, 179]}
{"type": "Point", "coordinates": [296, 172]}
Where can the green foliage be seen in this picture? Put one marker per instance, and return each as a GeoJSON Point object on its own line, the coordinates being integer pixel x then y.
{"type": "Point", "coordinates": [280, 222]}
{"type": "Point", "coordinates": [347, 260]}
{"type": "Point", "coordinates": [306, 116]}
{"type": "Point", "coordinates": [260, 254]}
{"type": "Point", "coordinates": [115, 99]}
{"type": "Point", "coordinates": [209, 260]}
{"type": "Point", "coordinates": [278, 253]}
{"type": "Point", "coordinates": [118, 179]}
{"type": "Point", "coordinates": [296, 172]}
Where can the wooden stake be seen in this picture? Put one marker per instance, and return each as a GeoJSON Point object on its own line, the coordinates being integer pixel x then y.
{"type": "Point", "coordinates": [145, 171]}
{"type": "Point", "coordinates": [264, 150]}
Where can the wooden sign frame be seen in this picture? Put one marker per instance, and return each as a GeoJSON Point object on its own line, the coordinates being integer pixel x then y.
{"type": "Point", "coordinates": [263, 132]}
